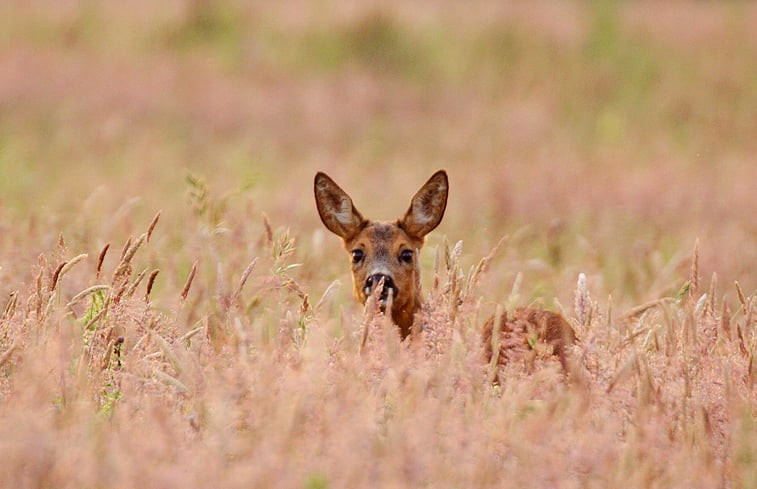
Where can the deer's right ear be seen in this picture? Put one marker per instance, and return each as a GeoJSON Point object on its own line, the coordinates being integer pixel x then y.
{"type": "Point", "coordinates": [335, 207]}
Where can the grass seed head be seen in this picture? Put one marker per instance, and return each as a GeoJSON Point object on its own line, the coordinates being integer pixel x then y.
{"type": "Point", "coordinates": [151, 283]}
{"type": "Point", "coordinates": [100, 259]}
{"type": "Point", "coordinates": [582, 305]}
{"type": "Point", "coordinates": [694, 272]}
{"type": "Point", "coordinates": [188, 283]}
{"type": "Point", "coordinates": [154, 223]}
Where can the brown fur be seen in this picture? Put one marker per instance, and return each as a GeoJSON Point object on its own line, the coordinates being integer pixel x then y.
{"type": "Point", "coordinates": [382, 244]}
{"type": "Point", "coordinates": [527, 330]}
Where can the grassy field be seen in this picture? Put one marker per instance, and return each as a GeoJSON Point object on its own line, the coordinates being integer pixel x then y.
{"type": "Point", "coordinates": [174, 314]}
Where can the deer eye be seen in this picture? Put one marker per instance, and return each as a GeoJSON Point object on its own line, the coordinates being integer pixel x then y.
{"type": "Point", "coordinates": [406, 256]}
{"type": "Point", "coordinates": [357, 256]}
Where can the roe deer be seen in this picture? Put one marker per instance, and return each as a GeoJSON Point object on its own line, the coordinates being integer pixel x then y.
{"type": "Point", "coordinates": [385, 254]}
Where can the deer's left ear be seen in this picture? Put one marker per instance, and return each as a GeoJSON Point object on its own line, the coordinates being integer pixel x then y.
{"type": "Point", "coordinates": [427, 207]}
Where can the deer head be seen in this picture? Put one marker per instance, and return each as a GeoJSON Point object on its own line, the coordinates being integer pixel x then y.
{"type": "Point", "coordinates": [385, 254]}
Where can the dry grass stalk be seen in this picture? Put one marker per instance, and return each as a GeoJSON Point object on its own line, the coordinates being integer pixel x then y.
{"type": "Point", "coordinates": [493, 369]}
{"type": "Point", "coordinates": [37, 299]}
{"type": "Point", "coordinates": [187, 336]}
{"type": "Point", "coordinates": [623, 372]}
{"type": "Point", "coordinates": [119, 291]}
{"type": "Point", "coordinates": [370, 310]}
{"type": "Point", "coordinates": [694, 272]}
{"type": "Point", "coordinates": [437, 264]}
{"type": "Point", "coordinates": [107, 352]}
{"type": "Point", "coordinates": [188, 284]}
{"type": "Point", "coordinates": [539, 304]}
{"type": "Point", "coordinates": [170, 380]}
{"type": "Point", "coordinates": [582, 304]}
{"type": "Point", "coordinates": [100, 260]}
{"type": "Point", "coordinates": [63, 268]}
{"type": "Point", "coordinates": [641, 309]}
{"type": "Point", "coordinates": [127, 257]}
{"type": "Point", "coordinates": [742, 342]}
{"type": "Point", "coordinates": [513, 297]}
{"type": "Point", "coordinates": [10, 307]}
{"type": "Point", "coordinates": [482, 267]}
{"type": "Point", "coordinates": [153, 223]}
{"type": "Point", "coordinates": [243, 280]}
{"type": "Point", "coordinates": [140, 342]}
{"type": "Point", "coordinates": [305, 306]}
{"type": "Point", "coordinates": [671, 343]}
{"type": "Point", "coordinates": [453, 288]}
{"type": "Point", "coordinates": [126, 247]}
{"type": "Point", "coordinates": [710, 306]}
{"type": "Point", "coordinates": [646, 383]}
{"type": "Point", "coordinates": [740, 294]}
{"type": "Point", "coordinates": [84, 293]}
{"type": "Point", "coordinates": [51, 300]}
{"type": "Point", "coordinates": [629, 340]}
{"type": "Point", "coordinates": [168, 351]}
{"type": "Point", "coordinates": [689, 331]}
{"type": "Point", "coordinates": [100, 314]}
{"type": "Point", "coordinates": [331, 289]}
{"type": "Point", "coordinates": [750, 370]}
{"type": "Point", "coordinates": [725, 319]}
{"type": "Point", "coordinates": [151, 283]}
{"type": "Point", "coordinates": [749, 317]}
{"type": "Point", "coordinates": [71, 263]}
{"type": "Point", "coordinates": [268, 230]}
{"type": "Point", "coordinates": [56, 275]}
{"type": "Point", "coordinates": [389, 330]}
{"type": "Point", "coordinates": [452, 257]}
{"type": "Point", "coordinates": [135, 283]}
{"type": "Point", "coordinates": [608, 315]}
{"type": "Point", "coordinates": [700, 307]}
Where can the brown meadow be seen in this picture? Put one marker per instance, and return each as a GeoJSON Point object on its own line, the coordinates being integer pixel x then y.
{"type": "Point", "coordinates": [173, 314]}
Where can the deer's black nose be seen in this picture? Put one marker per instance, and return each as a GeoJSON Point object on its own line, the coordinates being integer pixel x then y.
{"type": "Point", "coordinates": [376, 279]}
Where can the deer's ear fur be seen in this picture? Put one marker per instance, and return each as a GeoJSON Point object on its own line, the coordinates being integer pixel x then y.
{"type": "Point", "coordinates": [335, 207]}
{"type": "Point", "coordinates": [427, 207]}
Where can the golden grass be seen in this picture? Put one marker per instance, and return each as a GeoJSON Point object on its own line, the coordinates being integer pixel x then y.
{"type": "Point", "coordinates": [286, 397]}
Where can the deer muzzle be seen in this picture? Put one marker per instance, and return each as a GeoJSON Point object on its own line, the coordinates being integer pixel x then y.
{"type": "Point", "coordinates": [385, 282]}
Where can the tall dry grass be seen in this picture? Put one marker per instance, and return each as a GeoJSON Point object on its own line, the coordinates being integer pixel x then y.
{"type": "Point", "coordinates": [173, 315]}
{"type": "Point", "coordinates": [104, 387]}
